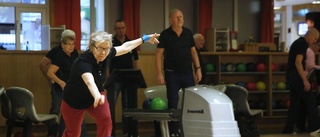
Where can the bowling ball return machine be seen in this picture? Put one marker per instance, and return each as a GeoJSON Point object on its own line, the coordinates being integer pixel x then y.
{"type": "Point", "coordinates": [205, 111]}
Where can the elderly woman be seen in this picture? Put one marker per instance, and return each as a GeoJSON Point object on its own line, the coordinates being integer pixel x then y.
{"type": "Point", "coordinates": [84, 90]}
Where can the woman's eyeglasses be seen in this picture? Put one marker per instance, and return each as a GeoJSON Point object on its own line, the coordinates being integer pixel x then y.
{"type": "Point", "coordinates": [102, 49]}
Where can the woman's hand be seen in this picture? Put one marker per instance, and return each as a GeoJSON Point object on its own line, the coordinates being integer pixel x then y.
{"type": "Point", "coordinates": [152, 38]}
{"type": "Point", "coordinates": [98, 100]}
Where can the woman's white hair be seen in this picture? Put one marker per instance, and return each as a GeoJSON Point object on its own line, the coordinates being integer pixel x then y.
{"type": "Point", "coordinates": [98, 37]}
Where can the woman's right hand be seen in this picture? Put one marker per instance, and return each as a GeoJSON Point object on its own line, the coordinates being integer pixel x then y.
{"type": "Point", "coordinates": [98, 100]}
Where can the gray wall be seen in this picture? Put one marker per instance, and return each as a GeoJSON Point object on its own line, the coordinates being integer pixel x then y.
{"type": "Point", "coordinates": [222, 14]}
{"type": "Point", "coordinates": [249, 22]}
{"type": "Point", "coordinates": [153, 18]}
{"type": "Point", "coordinates": [113, 12]}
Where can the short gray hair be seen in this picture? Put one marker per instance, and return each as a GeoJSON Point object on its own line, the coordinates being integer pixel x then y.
{"type": "Point", "coordinates": [99, 36]}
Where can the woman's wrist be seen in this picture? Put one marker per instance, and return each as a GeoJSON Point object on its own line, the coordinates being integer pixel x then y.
{"type": "Point", "coordinates": [145, 38]}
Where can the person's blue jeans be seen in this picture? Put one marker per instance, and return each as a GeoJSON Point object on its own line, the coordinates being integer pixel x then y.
{"type": "Point", "coordinates": [56, 98]}
{"type": "Point", "coordinates": [174, 82]}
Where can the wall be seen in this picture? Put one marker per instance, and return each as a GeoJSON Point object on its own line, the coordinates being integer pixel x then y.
{"type": "Point", "coordinates": [222, 17]}
{"type": "Point", "coordinates": [249, 22]}
{"type": "Point", "coordinates": [154, 17]}
{"type": "Point", "coordinates": [152, 20]}
{"type": "Point", "coordinates": [113, 12]}
{"type": "Point", "coordinates": [222, 14]}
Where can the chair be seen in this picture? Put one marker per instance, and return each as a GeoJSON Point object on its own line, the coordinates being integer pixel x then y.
{"type": "Point", "coordinates": [18, 109]}
{"type": "Point", "coordinates": [243, 114]}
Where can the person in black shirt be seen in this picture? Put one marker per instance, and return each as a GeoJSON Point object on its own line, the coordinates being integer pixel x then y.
{"type": "Point", "coordinates": [84, 92]}
{"type": "Point", "coordinates": [199, 41]}
{"type": "Point", "coordinates": [56, 67]}
{"type": "Point", "coordinates": [128, 91]}
{"type": "Point", "coordinates": [300, 88]}
{"type": "Point", "coordinates": [180, 59]}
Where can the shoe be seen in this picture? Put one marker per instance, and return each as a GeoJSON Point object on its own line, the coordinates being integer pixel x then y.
{"type": "Point", "coordinates": [315, 133]}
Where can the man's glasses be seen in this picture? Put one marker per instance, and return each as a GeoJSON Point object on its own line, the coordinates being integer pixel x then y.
{"type": "Point", "coordinates": [102, 49]}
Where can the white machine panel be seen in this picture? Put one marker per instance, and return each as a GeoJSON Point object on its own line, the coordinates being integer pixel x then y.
{"type": "Point", "coordinates": [208, 112]}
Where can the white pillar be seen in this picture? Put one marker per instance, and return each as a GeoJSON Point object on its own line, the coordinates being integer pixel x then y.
{"type": "Point", "coordinates": [288, 25]}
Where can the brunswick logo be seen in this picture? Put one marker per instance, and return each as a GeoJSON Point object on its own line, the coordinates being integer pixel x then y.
{"type": "Point", "coordinates": [195, 111]}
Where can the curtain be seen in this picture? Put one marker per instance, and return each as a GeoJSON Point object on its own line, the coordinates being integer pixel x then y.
{"type": "Point", "coordinates": [67, 12]}
{"type": "Point", "coordinates": [131, 15]}
{"type": "Point", "coordinates": [205, 15]}
{"type": "Point", "coordinates": [267, 21]}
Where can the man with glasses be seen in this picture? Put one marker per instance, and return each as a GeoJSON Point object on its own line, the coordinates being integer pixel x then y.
{"type": "Point", "coordinates": [128, 92]}
{"type": "Point", "coordinates": [56, 67]}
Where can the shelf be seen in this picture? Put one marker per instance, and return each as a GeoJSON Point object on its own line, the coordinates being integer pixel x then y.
{"type": "Point", "coordinates": [243, 73]}
{"type": "Point", "coordinates": [280, 91]}
{"type": "Point", "coordinates": [279, 72]}
{"type": "Point", "coordinates": [267, 76]}
{"type": "Point", "coordinates": [258, 92]}
{"type": "Point", "coordinates": [212, 73]}
{"type": "Point", "coordinates": [217, 40]}
{"type": "Point", "coordinates": [279, 110]}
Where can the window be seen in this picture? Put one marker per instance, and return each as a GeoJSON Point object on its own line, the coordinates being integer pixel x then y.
{"type": "Point", "coordinates": [302, 28]}
{"type": "Point", "coordinates": [90, 9]}
{"type": "Point", "coordinates": [29, 15]}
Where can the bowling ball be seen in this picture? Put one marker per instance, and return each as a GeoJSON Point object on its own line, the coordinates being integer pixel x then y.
{"type": "Point", "coordinates": [284, 67]}
{"type": "Point", "coordinates": [273, 67]}
{"type": "Point", "coordinates": [261, 67]}
{"type": "Point", "coordinates": [281, 104]}
{"type": "Point", "coordinates": [281, 86]}
{"type": "Point", "coordinates": [210, 67]}
{"type": "Point", "coordinates": [242, 84]}
{"type": "Point", "coordinates": [251, 67]}
{"type": "Point", "coordinates": [223, 67]}
{"type": "Point", "coordinates": [262, 105]}
{"type": "Point", "coordinates": [230, 67]}
{"type": "Point", "coordinates": [147, 103]}
{"type": "Point", "coordinates": [241, 67]}
{"type": "Point", "coordinates": [252, 104]}
{"type": "Point", "coordinates": [20, 134]}
{"type": "Point", "coordinates": [251, 86]}
{"type": "Point", "coordinates": [287, 103]}
{"type": "Point", "coordinates": [261, 85]}
{"type": "Point", "coordinates": [158, 104]}
{"type": "Point", "coordinates": [274, 85]}
{"type": "Point", "coordinates": [274, 105]}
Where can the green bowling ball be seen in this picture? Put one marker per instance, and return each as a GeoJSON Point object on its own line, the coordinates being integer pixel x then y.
{"type": "Point", "coordinates": [210, 67]}
{"type": "Point", "coordinates": [241, 67]}
{"type": "Point", "coordinates": [158, 104]}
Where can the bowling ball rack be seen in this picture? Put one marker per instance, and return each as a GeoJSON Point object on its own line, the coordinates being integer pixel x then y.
{"type": "Point", "coordinates": [163, 116]}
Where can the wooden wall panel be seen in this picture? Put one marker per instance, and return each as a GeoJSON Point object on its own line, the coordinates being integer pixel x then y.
{"type": "Point", "coordinates": [19, 68]}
